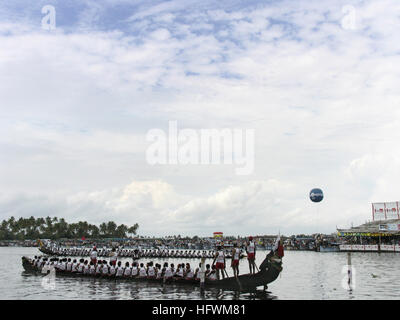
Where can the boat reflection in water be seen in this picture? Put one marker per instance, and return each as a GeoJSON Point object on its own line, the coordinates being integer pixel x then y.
{"type": "Point", "coordinates": [99, 289]}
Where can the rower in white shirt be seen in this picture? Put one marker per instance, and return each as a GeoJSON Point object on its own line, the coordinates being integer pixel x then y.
{"type": "Point", "coordinates": [112, 271]}
{"type": "Point", "coordinates": [151, 272]}
{"type": "Point", "coordinates": [92, 268]}
{"type": "Point", "coordinates": [142, 271]}
{"type": "Point", "coordinates": [120, 270]}
{"type": "Point", "coordinates": [128, 270]}
{"type": "Point", "coordinates": [99, 267]}
{"type": "Point", "coordinates": [69, 265]}
{"type": "Point", "coordinates": [189, 272]}
{"type": "Point", "coordinates": [105, 268]}
{"type": "Point", "coordinates": [81, 265]}
{"type": "Point", "coordinates": [86, 268]}
{"type": "Point", "coordinates": [135, 270]}
{"type": "Point", "coordinates": [168, 273]}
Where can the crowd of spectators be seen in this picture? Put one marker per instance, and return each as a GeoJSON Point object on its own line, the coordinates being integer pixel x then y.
{"type": "Point", "coordinates": [371, 240]}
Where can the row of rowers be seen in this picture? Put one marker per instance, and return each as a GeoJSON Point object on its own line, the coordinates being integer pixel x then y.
{"type": "Point", "coordinates": [136, 253]}
{"type": "Point", "coordinates": [100, 267]}
{"type": "Point", "coordinates": [107, 269]}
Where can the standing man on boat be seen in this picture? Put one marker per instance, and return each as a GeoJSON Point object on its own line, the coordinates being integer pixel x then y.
{"type": "Point", "coordinates": [278, 247]}
{"type": "Point", "coordinates": [113, 257]}
{"type": "Point", "coordinates": [235, 259]}
{"type": "Point", "coordinates": [280, 250]}
{"type": "Point", "coordinates": [93, 255]}
{"type": "Point", "coordinates": [220, 259]}
{"type": "Point", "coordinates": [251, 255]}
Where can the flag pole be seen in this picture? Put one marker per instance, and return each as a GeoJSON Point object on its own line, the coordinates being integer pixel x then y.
{"type": "Point", "coordinates": [349, 269]}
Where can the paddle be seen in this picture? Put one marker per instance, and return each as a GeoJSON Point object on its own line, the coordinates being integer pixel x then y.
{"type": "Point", "coordinates": [202, 275]}
{"type": "Point", "coordinates": [240, 285]}
{"type": "Point", "coordinates": [226, 273]}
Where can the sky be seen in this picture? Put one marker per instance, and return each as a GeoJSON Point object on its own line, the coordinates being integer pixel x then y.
{"type": "Point", "coordinates": [317, 82]}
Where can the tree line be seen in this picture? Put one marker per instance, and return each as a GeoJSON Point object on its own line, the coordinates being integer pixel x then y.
{"type": "Point", "coordinates": [54, 228]}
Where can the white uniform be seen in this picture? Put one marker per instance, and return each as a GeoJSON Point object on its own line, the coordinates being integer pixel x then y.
{"type": "Point", "coordinates": [151, 272]}
{"type": "Point", "coordinates": [86, 269]}
{"type": "Point", "coordinates": [93, 255]}
{"type": "Point", "coordinates": [190, 274]}
{"type": "Point", "coordinates": [142, 272]}
{"type": "Point", "coordinates": [74, 267]}
{"type": "Point", "coordinates": [105, 269]}
{"type": "Point", "coordinates": [46, 268]}
{"type": "Point", "coordinates": [168, 272]}
{"type": "Point", "coordinates": [250, 247]}
{"type": "Point", "coordinates": [120, 271]}
{"type": "Point", "coordinates": [128, 271]}
{"type": "Point", "coordinates": [134, 271]}
{"type": "Point", "coordinates": [92, 269]}
{"type": "Point", "coordinates": [98, 269]}
{"type": "Point", "coordinates": [220, 257]}
{"type": "Point", "coordinates": [112, 270]}
{"type": "Point", "coordinates": [180, 272]}
{"type": "Point", "coordinates": [80, 267]}
{"type": "Point", "coordinates": [113, 256]}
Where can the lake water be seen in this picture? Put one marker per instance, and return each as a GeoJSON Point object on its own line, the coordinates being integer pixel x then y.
{"type": "Point", "coordinates": [305, 275]}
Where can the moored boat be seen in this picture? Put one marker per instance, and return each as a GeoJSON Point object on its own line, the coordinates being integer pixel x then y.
{"type": "Point", "coordinates": [330, 248]}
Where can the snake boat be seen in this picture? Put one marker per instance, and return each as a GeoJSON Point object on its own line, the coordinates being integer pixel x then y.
{"type": "Point", "coordinates": [269, 271]}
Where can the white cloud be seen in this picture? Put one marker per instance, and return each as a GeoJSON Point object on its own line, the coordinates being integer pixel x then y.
{"type": "Point", "coordinates": [259, 206]}
{"type": "Point", "coordinates": [77, 103]}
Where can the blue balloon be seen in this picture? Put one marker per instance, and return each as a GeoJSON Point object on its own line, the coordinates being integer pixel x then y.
{"type": "Point", "coordinates": [316, 195]}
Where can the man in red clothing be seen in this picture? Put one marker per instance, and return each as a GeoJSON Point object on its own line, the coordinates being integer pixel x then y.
{"type": "Point", "coordinates": [93, 255]}
{"type": "Point", "coordinates": [220, 259]}
{"type": "Point", "coordinates": [251, 255]}
{"type": "Point", "coordinates": [113, 257]}
{"type": "Point", "coordinates": [280, 249]}
{"type": "Point", "coordinates": [235, 260]}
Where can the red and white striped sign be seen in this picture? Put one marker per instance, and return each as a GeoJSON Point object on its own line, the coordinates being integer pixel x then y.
{"type": "Point", "coordinates": [387, 247]}
{"type": "Point", "coordinates": [371, 247]}
{"type": "Point", "coordinates": [385, 210]}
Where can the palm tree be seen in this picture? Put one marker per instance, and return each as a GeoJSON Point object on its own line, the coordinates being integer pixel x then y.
{"type": "Point", "coordinates": [54, 228]}
{"type": "Point", "coordinates": [111, 228]}
{"type": "Point", "coordinates": [103, 229]}
{"type": "Point", "coordinates": [83, 229]}
{"type": "Point", "coordinates": [48, 227]}
{"type": "Point", "coordinates": [94, 231]}
{"type": "Point", "coordinates": [39, 222]}
{"type": "Point", "coordinates": [121, 231]}
{"type": "Point", "coordinates": [133, 229]}
{"type": "Point", "coordinates": [11, 223]}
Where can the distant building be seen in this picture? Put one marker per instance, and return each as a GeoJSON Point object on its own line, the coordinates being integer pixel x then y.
{"type": "Point", "coordinates": [381, 228]}
{"type": "Point", "coordinates": [218, 235]}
